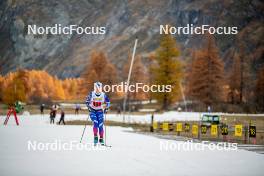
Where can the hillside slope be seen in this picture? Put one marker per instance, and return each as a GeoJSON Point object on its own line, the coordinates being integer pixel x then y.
{"type": "Point", "coordinates": [124, 20]}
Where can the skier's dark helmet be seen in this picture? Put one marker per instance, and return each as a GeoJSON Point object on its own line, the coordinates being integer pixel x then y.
{"type": "Point", "coordinates": [98, 88]}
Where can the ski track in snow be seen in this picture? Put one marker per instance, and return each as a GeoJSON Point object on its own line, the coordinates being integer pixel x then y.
{"type": "Point", "coordinates": [131, 154]}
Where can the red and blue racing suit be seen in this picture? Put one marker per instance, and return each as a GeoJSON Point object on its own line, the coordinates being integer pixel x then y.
{"type": "Point", "coordinates": [96, 105]}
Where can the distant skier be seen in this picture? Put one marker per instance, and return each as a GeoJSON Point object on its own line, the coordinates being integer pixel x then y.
{"type": "Point", "coordinates": [54, 109]}
{"type": "Point", "coordinates": [42, 106]}
{"type": "Point", "coordinates": [209, 109]}
{"type": "Point", "coordinates": [52, 115]}
{"type": "Point", "coordinates": [77, 109]}
{"type": "Point", "coordinates": [98, 104]}
{"type": "Point", "coordinates": [14, 109]}
{"type": "Point", "coordinates": [118, 110]}
{"type": "Point", "coordinates": [62, 117]}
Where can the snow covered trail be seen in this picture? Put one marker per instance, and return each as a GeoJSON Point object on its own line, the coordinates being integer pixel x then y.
{"type": "Point", "coordinates": [131, 154]}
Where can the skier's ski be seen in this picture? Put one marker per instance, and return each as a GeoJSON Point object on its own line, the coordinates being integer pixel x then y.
{"type": "Point", "coordinates": [106, 145]}
{"type": "Point", "coordinates": [103, 145]}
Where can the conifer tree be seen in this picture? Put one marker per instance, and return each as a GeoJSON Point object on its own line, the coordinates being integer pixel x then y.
{"type": "Point", "coordinates": [259, 93]}
{"type": "Point", "coordinates": [167, 71]}
{"type": "Point", "coordinates": [15, 89]}
{"type": "Point", "coordinates": [206, 79]}
{"type": "Point", "coordinates": [1, 86]}
{"type": "Point", "coordinates": [98, 69]}
{"type": "Point", "coordinates": [235, 80]}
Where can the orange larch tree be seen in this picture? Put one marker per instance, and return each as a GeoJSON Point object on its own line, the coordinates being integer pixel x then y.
{"type": "Point", "coordinates": [206, 77]}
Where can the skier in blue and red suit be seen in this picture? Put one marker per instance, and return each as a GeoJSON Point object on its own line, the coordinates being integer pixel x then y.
{"type": "Point", "coordinates": [98, 104]}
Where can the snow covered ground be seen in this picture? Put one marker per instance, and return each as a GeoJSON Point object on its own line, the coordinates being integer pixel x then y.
{"type": "Point", "coordinates": [131, 153]}
{"type": "Point", "coordinates": [167, 116]}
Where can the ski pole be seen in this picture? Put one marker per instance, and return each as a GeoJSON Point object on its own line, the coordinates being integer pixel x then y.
{"type": "Point", "coordinates": [105, 133]}
{"type": "Point", "coordinates": [83, 131]}
{"type": "Point", "coordinates": [105, 128]}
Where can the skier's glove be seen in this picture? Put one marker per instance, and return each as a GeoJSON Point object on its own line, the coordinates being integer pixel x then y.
{"type": "Point", "coordinates": [89, 109]}
{"type": "Point", "coordinates": [105, 110]}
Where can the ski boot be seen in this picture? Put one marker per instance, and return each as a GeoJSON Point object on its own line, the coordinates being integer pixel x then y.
{"type": "Point", "coordinates": [101, 140]}
{"type": "Point", "coordinates": [95, 140]}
